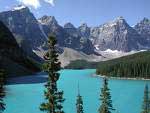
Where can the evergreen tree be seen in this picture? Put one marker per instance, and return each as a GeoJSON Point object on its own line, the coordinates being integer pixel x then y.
{"type": "Point", "coordinates": [54, 98]}
{"type": "Point", "coordinates": [79, 103]}
{"type": "Point", "coordinates": [2, 92]}
{"type": "Point", "coordinates": [136, 65]}
{"type": "Point", "coordinates": [146, 102]}
{"type": "Point", "coordinates": [105, 97]}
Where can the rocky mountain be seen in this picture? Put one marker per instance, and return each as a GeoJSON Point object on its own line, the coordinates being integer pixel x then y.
{"type": "Point", "coordinates": [116, 35]}
{"type": "Point", "coordinates": [67, 36]}
{"type": "Point", "coordinates": [84, 30]}
{"type": "Point", "coordinates": [31, 34]}
{"type": "Point", "coordinates": [23, 25]}
{"type": "Point", "coordinates": [13, 59]}
{"type": "Point", "coordinates": [143, 28]}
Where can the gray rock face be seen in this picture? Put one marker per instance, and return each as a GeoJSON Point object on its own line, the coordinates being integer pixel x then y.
{"type": "Point", "coordinates": [84, 30]}
{"type": "Point", "coordinates": [67, 36]}
{"type": "Point", "coordinates": [48, 20]}
{"type": "Point", "coordinates": [69, 26]}
{"type": "Point", "coordinates": [23, 23]}
{"type": "Point", "coordinates": [143, 28]}
{"type": "Point", "coordinates": [28, 32]}
{"type": "Point", "coordinates": [116, 35]}
{"type": "Point", "coordinates": [71, 30]}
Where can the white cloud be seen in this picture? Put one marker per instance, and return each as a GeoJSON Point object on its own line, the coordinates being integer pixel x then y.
{"type": "Point", "coordinates": [33, 3]}
{"type": "Point", "coordinates": [51, 2]}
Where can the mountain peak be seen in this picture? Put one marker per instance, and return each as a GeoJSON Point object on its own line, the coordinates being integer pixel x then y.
{"type": "Point", "coordinates": [120, 19]}
{"type": "Point", "coordinates": [145, 20]}
{"type": "Point", "coordinates": [69, 25]}
{"type": "Point", "coordinates": [143, 24]}
{"type": "Point", "coordinates": [48, 20]}
{"type": "Point", "coordinates": [84, 25]}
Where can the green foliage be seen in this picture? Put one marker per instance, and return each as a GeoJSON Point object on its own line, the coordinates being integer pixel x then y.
{"type": "Point", "coordinates": [81, 64]}
{"type": "Point", "coordinates": [54, 98]}
{"type": "Point", "coordinates": [136, 65]}
{"type": "Point", "coordinates": [146, 101]}
{"type": "Point", "coordinates": [2, 92]}
{"type": "Point", "coordinates": [105, 97]}
{"type": "Point", "coordinates": [79, 104]}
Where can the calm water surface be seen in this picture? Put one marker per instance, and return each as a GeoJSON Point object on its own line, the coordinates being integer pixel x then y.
{"type": "Point", "coordinates": [126, 94]}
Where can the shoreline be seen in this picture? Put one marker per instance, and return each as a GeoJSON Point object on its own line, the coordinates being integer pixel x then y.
{"type": "Point", "coordinates": [121, 78]}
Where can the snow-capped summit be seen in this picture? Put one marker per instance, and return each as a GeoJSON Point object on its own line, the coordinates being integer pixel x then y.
{"type": "Point", "coordinates": [19, 7]}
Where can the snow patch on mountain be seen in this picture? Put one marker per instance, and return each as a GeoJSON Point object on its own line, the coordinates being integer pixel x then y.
{"type": "Point", "coordinates": [96, 47]}
{"type": "Point", "coordinates": [111, 54]}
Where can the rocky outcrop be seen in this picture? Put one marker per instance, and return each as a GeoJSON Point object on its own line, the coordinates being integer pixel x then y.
{"type": "Point", "coordinates": [67, 36]}
{"type": "Point", "coordinates": [143, 28]}
{"type": "Point", "coordinates": [22, 23]}
{"type": "Point", "coordinates": [116, 35]}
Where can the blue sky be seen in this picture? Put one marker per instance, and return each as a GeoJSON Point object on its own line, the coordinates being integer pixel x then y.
{"type": "Point", "coordinates": [93, 12]}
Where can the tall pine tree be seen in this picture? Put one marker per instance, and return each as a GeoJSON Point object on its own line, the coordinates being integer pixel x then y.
{"type": "Point", "coordinates": [105, 97]}
{"type": "Point", "coordinates": [79, 102]}
{"type": "Point", "coordinates": [146, 102]}
{"type": "Point", "coordinates": [2, 92]}
{"type": "Point", "coordinates": [54, 98]}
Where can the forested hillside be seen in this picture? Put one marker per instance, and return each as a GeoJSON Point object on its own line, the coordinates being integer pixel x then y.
{"type": "Point", "coordinates": [136, 65]}
{"type": "Point", "coordinates": [81, 64]}
{"type": "Point", "coordinates": [12, 58]}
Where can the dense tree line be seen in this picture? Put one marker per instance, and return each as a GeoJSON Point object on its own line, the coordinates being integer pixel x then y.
{"type": "Point", "coordinates": [137, 65]}
{"type": "Point", "coordinates": [81, 64]}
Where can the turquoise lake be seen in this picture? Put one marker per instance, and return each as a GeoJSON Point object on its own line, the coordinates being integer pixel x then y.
{"type": "Point", "coordinates": [127, 95]}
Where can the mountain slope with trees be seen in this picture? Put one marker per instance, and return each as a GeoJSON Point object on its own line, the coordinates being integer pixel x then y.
{"type": "Point", "coordinates": [13, 59]}
{"type": "Point", "coordinates": [136, 65]}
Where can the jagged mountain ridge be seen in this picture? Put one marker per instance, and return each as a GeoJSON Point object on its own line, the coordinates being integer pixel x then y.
{"type": "Point", "coordinates": [143, 28]}
{"type": "Point", "coordinates": [27, 30]}
{"type": "Point", "coordinates": [114, 35]}
{"type": "Point", "coordinates": [67, 36]}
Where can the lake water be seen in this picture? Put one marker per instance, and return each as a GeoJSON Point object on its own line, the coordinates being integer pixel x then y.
{"type": "Point", "coordinates": [127, 95]}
